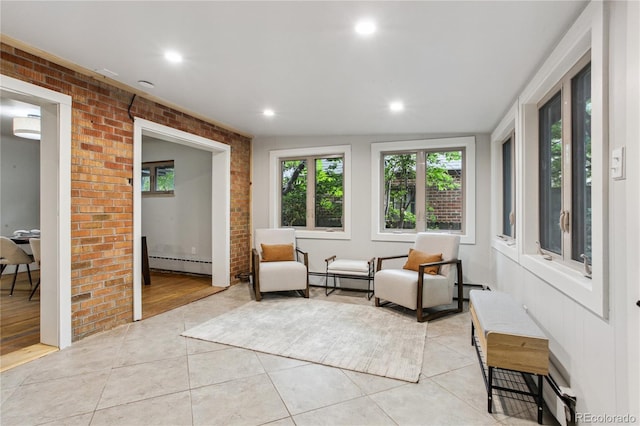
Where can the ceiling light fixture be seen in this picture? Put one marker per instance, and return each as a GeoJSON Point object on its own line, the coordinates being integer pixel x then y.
{"type": "Point", "coordinates": [365, 28]}
{"type": "Point", "coordinates": [268, 112]}
{"type": "Point", "coordinates": [27, 127]}
{"type": "Point", "coordinates": [396, 106]}
{"type": "Point", "coordinates": [173, 56]}
{"type": "Point", "coordinates": [146, 84]}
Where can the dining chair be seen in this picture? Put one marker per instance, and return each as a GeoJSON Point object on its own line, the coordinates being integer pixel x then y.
{"type": "Point", "coordinates": [35, 249]}
{"type": "Point", "coordinates": [11, 254]}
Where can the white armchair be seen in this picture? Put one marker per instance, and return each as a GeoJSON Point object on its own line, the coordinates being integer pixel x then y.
{"type": "Point", "coordinates": [430, 283]}
{"type": "Point", "coordinates": [275, 262]}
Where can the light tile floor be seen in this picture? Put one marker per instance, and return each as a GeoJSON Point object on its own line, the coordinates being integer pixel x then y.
{"type": "Point", "coordinates": [145, 373]}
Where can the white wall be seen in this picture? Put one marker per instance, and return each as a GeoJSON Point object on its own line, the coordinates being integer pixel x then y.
{"type": "Point", "coordinates": [476, 257]}
{"type": "Point", "coordinates": [178, 226]}
{"type": "Point", "coordinates": [599, 354]}
{"type": "Point", "coordinates": [19, 184]}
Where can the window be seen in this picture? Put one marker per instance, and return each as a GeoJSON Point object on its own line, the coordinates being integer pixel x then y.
{"type": "Point", "coordinates": [315, 202]}
{"type": "Point", "coordinates": [508, 187]}
{"type": "Point", "coordinates": [577, 71]}
{"type": "Point", "coordinates": [423, 185]}
{"type": "Point", "coordinates": [158, 178]}
{"type": "Point", "coordinates": [423, 190]}
{"type": "Point", "coordinates": [310, 191]}
{"type": "Point", "coordinates": [565, 167]}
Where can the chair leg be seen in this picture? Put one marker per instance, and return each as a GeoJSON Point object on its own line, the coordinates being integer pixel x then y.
{"type": "Point", "coordinates": [29, 273]}
{"type": "Point", "coordinates": [2, 269]}
{"type": "Point", "coordinates": [377, 301]}
{"type": "Point", "coordinates": [35, 288]}
{"type": "Point", "coordinates": [15, 276]}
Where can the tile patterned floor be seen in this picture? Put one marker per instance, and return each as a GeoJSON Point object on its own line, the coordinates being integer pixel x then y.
{"type": "Point", "coordinates": [145, 373]}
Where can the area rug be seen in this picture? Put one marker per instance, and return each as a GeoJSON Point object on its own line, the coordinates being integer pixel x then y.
{"type": "Point", "coordinates": [354, 337]}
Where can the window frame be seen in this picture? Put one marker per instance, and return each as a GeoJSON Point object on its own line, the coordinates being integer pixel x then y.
{"type": "Point", "coordinates": [421, 188]}
{"type": "Point", "coordinates": [379, 149]}
{"type": "Point", "coordinates": [152, 166]}
{"type": "Point", "coordinates": [587, 33]}
{"type": "Point", "coordinates": [310, 196]}
{"type": "Point", "coordinates": [511, 138]}
{"type": "Point", "coordinates": [564, 89]}
{"type": "Point", "coordinates": [275, 158]}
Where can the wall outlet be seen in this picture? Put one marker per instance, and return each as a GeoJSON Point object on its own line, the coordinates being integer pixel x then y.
{"type": "Point", "coordinates": [193, 250]}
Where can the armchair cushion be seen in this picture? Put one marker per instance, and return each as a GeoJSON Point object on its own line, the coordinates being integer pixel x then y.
{"type": "Point", "coordinates": [416, 257]}
{"type": "Point", "coordinates": [277, 252]}
{"type": "Point", "coordinates": [282, 276]}
{"type": "Point", "coordinates": [400, 286]}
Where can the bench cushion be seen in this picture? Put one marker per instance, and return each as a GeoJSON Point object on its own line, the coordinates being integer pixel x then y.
{"type": "Point", "coordinates": [349, 267]}
{"type": "Point", "coordinates": [498, 312]}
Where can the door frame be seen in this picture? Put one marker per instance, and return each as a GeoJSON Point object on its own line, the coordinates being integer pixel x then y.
{"type": "Point", "coordinates": [55, 206]}
{"type": "Point", "coordinates": [220, 201]}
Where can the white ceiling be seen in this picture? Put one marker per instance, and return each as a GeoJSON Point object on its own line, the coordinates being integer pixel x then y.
{"type": "Point", "coordinates": [456, 65]}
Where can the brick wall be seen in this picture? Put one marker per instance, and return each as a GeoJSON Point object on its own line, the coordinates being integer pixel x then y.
{"type": "Point", "coordinates": [447, 204]}
{"type": "Point", "coordinates": [101, 196]}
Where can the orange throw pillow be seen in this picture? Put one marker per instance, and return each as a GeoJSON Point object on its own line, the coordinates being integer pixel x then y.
{"type": "Point", "coordinates": [416, 257]}
{"type": "Point", "coordinates": [277, 252]}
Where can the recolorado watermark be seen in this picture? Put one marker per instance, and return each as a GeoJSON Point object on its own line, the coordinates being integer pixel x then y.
{"type": "Point", "coordinates": [606, 418]}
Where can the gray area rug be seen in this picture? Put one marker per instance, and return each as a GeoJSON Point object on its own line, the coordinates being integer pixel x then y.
{"type": "Point", "coordinates": [354, 337]}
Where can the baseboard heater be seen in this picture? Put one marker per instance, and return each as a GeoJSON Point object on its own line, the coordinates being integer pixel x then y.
{"type": "Point", "coordinates": [179, 259]}
{"type": "Point", "coordinates": [560, 399]}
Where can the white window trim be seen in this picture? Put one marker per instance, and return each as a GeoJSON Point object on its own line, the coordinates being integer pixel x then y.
{"type": "Point", "coordinates": [274, 189]}
{"type": "Point", "coordinates": [378, 149]}
{"type": "Point", "coordinates": [507, 125]}
{"type": "Point", "coordinates": [588, 32]}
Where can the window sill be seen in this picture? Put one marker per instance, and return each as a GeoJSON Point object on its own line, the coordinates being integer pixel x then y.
{"type": "Point", "coordinates": [322, 235]}
{"type": "Point", "coordinates": [567, 280]}
{"type": "Point", "coordinates": [410, 237]}
{"type": "Point", "coordinates": [506, 247]}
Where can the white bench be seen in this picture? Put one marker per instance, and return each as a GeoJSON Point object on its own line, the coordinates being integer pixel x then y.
{"type": "Point", "coordinates": [509, 340]}
{"type": "Point", "coordinates": [352, 269]}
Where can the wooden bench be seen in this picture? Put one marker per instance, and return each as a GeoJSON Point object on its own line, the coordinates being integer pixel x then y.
{"type": "Point", "coordinates": [506, 338]}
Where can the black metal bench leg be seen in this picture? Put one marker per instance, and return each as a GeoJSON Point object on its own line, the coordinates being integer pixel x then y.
{"type": "Point", "coordinates": [473, 330]}
{"type": "Point", "coordinates": [490, 391]}
{"type": "Point", "coordinates": [326, 285]}
{"type": "Point", "coordinates": [539, 399]}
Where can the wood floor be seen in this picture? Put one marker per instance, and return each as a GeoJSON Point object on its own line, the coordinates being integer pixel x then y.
{"type": "Point", "coordinates": [171, 290]}
{"type": "Point", "coordinates": [20, 318]}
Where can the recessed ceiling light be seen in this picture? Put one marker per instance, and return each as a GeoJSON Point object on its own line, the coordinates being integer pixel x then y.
{"type": "Point", "coordinates": [268, 112]}
{"type": "Point", "coordinates": [365, 27]}
{"type": "Point", "coordinates": [396, 106]}
{"type": "Point", "coordinates": [146, 84]}
{"type": "Point", "coordinates": [173, 56]}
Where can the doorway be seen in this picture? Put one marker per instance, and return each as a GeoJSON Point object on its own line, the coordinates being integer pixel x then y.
{"type": "Point", "coordinates": [55, 206]}
{"type": "Point", "coordinates": [218, 237]}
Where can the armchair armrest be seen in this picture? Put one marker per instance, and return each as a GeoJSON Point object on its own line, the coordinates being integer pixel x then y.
{"type": "Point", "coordinates": [380, 259]}
{"type": "Point", "coordinates": [459, 282]}
{"type": "Point", "coordinates": [441, 262]}
{"type": "Point", "coordinates": [305, 257]}
{"type": "Point", "coordinates": [255, 263]}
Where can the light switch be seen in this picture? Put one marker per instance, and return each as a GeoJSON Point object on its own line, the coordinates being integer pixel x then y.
{"type": "Point", "coordinates": [617, 163]}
